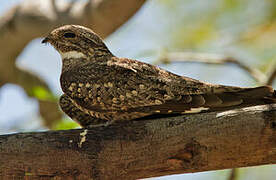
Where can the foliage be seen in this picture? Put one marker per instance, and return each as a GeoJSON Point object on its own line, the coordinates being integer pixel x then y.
{"type": "Point", "coordinates": [65, 124]}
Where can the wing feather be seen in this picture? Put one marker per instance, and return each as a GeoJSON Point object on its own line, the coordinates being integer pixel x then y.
{"type": "Point", "coordinates": [132, 86]}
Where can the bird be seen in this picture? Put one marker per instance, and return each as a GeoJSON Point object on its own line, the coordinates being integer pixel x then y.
{"type": "Point", "coordinates": [102, 89]}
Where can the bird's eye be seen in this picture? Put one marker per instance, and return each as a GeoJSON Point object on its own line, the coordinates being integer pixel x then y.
{"type": "Point", "coordinates": [69, 35]}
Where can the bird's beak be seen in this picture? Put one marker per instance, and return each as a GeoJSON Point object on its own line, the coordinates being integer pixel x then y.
{"type": "Point", "coordinates": [45, 40]}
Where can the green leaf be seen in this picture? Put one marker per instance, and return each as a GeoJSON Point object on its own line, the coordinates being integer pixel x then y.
{"type": "Point", "coordinates": [65, 124]}
{"type": "Point", "coordinates": [43, 94]}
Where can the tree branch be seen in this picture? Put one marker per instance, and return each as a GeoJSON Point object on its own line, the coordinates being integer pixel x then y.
{"type": "Point", "coordinates": [32, 19]}
{"type": "Point", "coordinates": [216, 59]}
{"type": "Point", "coordinates": [145, 148]}
{"type": "Point", "coordinates": [271, 78]}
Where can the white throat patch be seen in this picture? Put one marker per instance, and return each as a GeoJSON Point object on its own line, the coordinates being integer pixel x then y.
{"type": "Point", "coordinates": [72, 54]}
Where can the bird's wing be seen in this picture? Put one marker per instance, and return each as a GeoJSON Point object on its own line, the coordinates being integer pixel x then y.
{"type": "Point", "coordinates": [132, 86]}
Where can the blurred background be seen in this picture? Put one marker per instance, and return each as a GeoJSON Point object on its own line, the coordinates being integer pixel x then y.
{"type": "Point", "coordinates": [159, 32]}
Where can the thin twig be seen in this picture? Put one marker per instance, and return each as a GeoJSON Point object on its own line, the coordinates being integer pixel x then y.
{"type": "Point", "coordinates": [233, 174]}
{"type": "Point", "coordinates": [271, 78]}
{"type": "Point", "coordinates": [216, 59]}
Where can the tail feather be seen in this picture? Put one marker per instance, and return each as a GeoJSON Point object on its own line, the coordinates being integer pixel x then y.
{"type": "Point", "coordinates": [229, 100]}
{"type": "Point", "coordinates": [212, 100]}
{"type": "Point", "coordinates": [244, 97]}
{"type": "Point", "coordinates": [257, 92]}
{"type": "Point", "coordinates": [222, 98]}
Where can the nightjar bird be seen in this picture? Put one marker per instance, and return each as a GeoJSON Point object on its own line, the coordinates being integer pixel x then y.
{"type": "Point", "coordinates": [100, 88]}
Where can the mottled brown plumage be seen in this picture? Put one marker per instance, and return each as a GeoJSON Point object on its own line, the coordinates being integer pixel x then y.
{"type": "Point", "coordinates": [101, 88]}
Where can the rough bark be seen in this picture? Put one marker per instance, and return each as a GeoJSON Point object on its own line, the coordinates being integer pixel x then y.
{"type": "Point", "coordinates": [32, 19]}
{"type": "Point", "coordinates": [145, 148]}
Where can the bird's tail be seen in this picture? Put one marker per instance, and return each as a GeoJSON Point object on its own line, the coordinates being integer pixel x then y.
{"type": "Point", "coordinates": [220, 98]}
{"type": "Point", "coordinates": [227, 96]}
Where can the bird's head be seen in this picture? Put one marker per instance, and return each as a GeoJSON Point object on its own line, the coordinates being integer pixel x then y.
{"type": "Point", "coordinates": [74, 41]}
